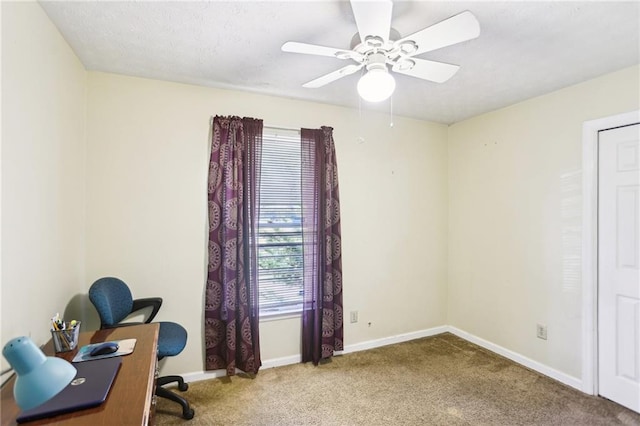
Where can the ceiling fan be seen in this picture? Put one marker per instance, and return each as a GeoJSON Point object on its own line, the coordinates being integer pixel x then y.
{"type": "Point", "coordinates": [377, 45]}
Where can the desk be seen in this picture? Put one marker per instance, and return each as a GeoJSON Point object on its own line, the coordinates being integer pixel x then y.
{"type": "Point", "coordinates": [130, 398]}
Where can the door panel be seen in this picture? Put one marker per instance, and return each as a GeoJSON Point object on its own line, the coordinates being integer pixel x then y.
{"type": "Point", "coordinates": [627, 349]}
{"type": "Point", "coordinates": [627, 230]}
{"type": "Point", "coordinates": [619, 265]}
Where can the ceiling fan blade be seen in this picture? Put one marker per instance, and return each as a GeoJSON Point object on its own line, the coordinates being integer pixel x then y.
{"type": "Point", "coordinates": [458, 28]}
{"type": "Point", "coordinates": [373, 18]}
{"type": "Point", "coordinates": [314, 49]}
{"type": "Point", "coordinates": [438, 72]}
{"type": "Point", "coordinates": [332, 76]}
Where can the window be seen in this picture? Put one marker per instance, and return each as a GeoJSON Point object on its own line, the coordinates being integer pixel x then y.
{"type": "Point", "coordinates": [279, 228]}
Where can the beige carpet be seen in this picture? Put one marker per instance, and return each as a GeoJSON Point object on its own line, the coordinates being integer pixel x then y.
{"type": "Point", "coordinates": [439, 380]}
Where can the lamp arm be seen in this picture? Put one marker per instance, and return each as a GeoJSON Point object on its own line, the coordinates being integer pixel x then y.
{"type": "Point", "coordinates": [9, 376]}
{"type": "Point", "coordinates": [154, 302]}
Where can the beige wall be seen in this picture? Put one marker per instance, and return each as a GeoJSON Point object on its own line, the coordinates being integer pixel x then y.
{"type": "Point", "coordinates": [43, 137]}
{"type": "Point", "coordinates": [515, 205]}
{"type": "Point", "coordinates": [147, 154]}
{"type": "Point", "coordinates": [499, 203]}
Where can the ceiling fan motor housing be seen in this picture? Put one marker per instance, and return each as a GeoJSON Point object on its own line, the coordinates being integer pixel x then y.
{"type": "Point", "coordinates": [376, 61]}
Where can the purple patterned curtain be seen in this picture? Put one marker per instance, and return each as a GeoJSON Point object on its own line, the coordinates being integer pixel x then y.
{"type": "Point", "coordinates": [322, 316]}
{"type": "Point", "coordinates": [231, 298]}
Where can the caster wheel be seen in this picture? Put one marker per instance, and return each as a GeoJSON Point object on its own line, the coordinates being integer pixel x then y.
{"type": "Point", "coordinates": [188, 414]}
{"type": "Point", "coordinates": [183, 387]}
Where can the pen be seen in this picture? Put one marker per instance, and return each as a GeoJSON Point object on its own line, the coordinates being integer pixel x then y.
{"type": "Point", "coordinates": [64, 333]}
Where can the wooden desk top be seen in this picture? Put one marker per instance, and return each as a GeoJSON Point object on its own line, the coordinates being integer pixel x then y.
{"type": "Point", "coordinates": [129, 400]}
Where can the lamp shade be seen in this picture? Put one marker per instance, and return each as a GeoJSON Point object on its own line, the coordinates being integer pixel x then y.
{"type": "Point", "coordinates": [39, 377]}
{"type": "Point", "coordinates": [376, 85]}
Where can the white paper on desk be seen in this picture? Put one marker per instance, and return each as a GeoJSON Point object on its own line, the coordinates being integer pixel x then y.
{"type": "Point", "coordinates": [125, 347]}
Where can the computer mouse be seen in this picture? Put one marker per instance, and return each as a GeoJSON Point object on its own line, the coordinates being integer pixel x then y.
{"type": "Point", "coordinates": [104, 349]}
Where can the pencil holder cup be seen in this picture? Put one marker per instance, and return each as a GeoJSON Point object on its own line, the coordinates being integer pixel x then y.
{"type": "Point", "coordinates": [65, 340]}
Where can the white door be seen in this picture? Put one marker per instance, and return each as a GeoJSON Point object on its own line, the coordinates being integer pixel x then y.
{"type": "Point", "coordinates": [619, 265]}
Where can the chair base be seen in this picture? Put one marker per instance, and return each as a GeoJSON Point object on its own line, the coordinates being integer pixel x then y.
{"type": "Point", "coordinates": [164, 380]}
{"type": "Point", "coordinates": [187, 411]}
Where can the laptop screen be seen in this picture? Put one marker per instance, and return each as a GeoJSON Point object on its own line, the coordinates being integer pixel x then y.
{"type": "Point", "coordinates": [89, 389]}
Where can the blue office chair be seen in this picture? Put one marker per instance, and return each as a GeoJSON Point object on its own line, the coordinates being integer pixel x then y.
{"type": "Point", "coordinates": [113, 301]}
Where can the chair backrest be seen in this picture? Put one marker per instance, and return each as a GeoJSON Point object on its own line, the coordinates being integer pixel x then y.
{"type": "Point", "coordinates": [112, 299]}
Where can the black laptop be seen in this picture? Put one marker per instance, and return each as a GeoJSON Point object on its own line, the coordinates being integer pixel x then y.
{"type": "Point", "coordinates": [89, 389]}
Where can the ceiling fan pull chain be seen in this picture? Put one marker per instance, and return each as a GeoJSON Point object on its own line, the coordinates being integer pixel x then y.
{"type": "Point", "coordinates": [391, 111]}
{"type": "Point", "coordinates": [360, 138]}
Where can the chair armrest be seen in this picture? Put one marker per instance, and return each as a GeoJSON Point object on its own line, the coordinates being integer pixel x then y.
{"type": "Point", "coordinates": [154, 302]}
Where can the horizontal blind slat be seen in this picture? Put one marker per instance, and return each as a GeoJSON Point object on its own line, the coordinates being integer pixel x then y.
{"type": "Point", "coordinates": [279, 229]}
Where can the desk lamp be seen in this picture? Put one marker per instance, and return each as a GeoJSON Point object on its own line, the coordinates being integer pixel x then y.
{"type": "Point", "coordinates": [39, 377]}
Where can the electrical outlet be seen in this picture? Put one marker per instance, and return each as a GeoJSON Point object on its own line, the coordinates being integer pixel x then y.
{"type": "Point", "coordinates": [541, 331]}
{"type": "Point", "coordinates": [354, 316]}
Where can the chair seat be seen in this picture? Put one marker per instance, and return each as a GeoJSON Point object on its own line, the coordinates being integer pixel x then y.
{"type": "Point", "coordinates": [172, 339]}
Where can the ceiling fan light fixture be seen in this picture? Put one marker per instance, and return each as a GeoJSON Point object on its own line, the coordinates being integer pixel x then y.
{"type": "Point", "coordinates": [376, 85]}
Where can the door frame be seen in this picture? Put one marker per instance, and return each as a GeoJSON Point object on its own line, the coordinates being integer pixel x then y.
{"type": "Point", "coordinates": [590, 131]}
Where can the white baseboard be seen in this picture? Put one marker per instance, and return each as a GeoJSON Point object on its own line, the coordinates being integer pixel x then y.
{"type": "Point", "coordinates": [197, 376]}
{"type": "Point", "coordinates": [296, 359]}
{"type": "Point", "coordinates": [371, 344]}
{"type": "Point", "coordinates": [399, 338]}
{"type": "Point", "coordinates": [270, 363]}
{"type": "Point", "coordinates": [279, 362]}
{"type": "Point", "coordinates": [520, 359]}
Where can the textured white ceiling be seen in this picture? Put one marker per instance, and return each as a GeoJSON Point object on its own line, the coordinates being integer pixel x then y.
{"type": "Point", "coordinates": [525, 49]}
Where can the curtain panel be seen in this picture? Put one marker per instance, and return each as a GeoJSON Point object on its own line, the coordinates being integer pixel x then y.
{"type": "Point", "coordinates": [231, 297]}
{"type": "Point", "coordinates": [322, 315]}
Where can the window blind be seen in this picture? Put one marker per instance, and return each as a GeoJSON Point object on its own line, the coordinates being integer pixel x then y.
{"type": "Point", "coordinates": [279, 228]}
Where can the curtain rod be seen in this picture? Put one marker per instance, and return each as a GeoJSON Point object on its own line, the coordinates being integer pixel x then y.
{"type": "Point", "coordinates": [292, 129]}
